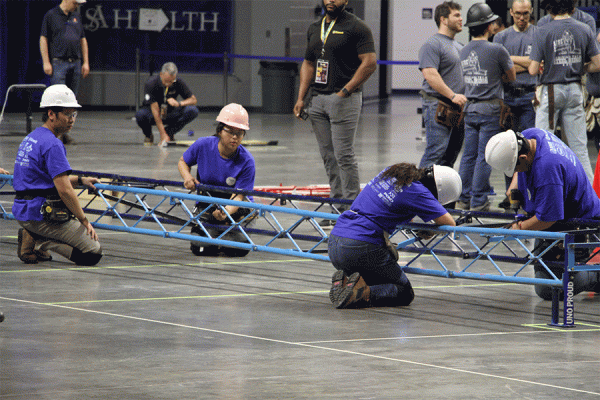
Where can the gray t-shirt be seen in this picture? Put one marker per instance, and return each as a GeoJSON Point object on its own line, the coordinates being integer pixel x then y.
{"type": "Point", "coordinates": [579, 15]}
{"type": "Point", "coordinates": [483, 64]}
{"type": "Point", "coordinates": [518, 44]}
{"type": "Point", "coordinates": [563, 45]}
{"type": "Point", "coordinates": [442, 53]}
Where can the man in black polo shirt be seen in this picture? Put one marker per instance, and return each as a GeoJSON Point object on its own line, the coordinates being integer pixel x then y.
{"type": "Point", "coordinates": [339, 58]}
{"type": "Point", "coordinates": [63, 45]}
{"type": "Point", "coordinates": [161, 107]}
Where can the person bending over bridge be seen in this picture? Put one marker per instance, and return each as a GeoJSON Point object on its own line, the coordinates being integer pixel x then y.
{"type": "Point", "coordinates": [367, 267]}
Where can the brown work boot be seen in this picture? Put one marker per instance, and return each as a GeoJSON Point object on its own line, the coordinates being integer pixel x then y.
{"type": "Point", "coordinates": [42, 255]}
{"type": "Point", "coordinates": [338, 282]}
{"type": "Point", "coordinates": [26, 243]}
{"type": "Point", "coordinates": [356, 293]}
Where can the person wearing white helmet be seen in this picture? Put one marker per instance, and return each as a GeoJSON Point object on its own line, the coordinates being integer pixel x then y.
{"type": "Point", "coordinates": [554, 185]}
{"type": "Point", "coordinates": [367, 272]}
{"type": "Point", "coordinates": [221, 160]}
{"type": "Point", "coordinates": [162, 108]}
{"type": "Point", "coordinates": [46, 205]}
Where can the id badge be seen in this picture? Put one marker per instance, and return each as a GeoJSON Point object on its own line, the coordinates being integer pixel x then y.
{"type": "Point", "coordinates": [322, 71]}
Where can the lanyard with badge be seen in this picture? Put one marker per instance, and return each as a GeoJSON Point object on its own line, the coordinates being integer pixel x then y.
{"type": "Point", "coordinates": [322, 70]}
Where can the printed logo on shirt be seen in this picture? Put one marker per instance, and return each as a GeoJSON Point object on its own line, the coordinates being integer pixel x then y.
{"type": "Point", "coordinates": [565, 51]}
{"type": "Point", "coordinates": [24, 150]}
{"type": "Point", "coordinates": [230, 181]}
{"type": "Point", "coordinates": [386, 190]}
{"type": "Point", "coordinates": [558, 147]}
{"type": "Point", "coordinates": [528, 49]}
{"type": "Point", "coordinates": [474, 75]}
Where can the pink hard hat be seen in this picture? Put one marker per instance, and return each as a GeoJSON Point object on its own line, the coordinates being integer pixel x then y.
{"type": "Point", "coordinates": [234, 115]}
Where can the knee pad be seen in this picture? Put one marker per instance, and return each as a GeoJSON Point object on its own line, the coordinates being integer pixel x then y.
{"type": "Point", "coordinates": [86, 259]}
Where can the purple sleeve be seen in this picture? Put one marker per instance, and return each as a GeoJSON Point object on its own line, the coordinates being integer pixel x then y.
{"type": "Point", "coordinates": [56, 161]}
{"type": "Point", "coordinates": [190, 156]}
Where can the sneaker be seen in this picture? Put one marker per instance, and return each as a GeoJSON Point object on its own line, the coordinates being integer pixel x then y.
{"type": "Point", "coordinates": [355, 294]}
{"type": "Point", "coordinates": [338, 282]}
{"type": "Point", "coordinates": [149, 140]}
{"type": "Point", "coordinates": [26, 243]}
{"type": "Point", "coordinates": [163, 143]}
{"type": "Point", "coordinates": [482, 208]}
{"type": "Point", "coordinates": [461, 205]}
{"type": "Point", "coordinates": [327, 223]}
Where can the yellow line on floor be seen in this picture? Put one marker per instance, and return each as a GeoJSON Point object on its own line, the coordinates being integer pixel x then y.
{"type": "Point", "coordinates": [218, 296]}
{"type": "Point", "coordinates": [576, 328]}
{"type": "Point", "coordinates": [186, 297]}
{"type": "Point", "coordinates": [58, 269]}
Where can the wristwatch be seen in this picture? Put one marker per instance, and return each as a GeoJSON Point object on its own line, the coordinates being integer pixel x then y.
{"type": "Point", "coordinates": [346, 92]}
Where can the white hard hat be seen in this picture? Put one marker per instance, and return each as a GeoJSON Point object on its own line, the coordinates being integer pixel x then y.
{"type": "Point", "coordinates": [59, 96]}
{"type": "Point", "coordinates": [234, 115]}
{"type": "Point", "coordinates": [448, 184]}
{"type": "Point", "coordinates": [501, 152]}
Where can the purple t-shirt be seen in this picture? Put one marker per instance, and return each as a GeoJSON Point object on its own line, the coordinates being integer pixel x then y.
{"type": "Point", "coordinates": [556, 187]}
{"type": "Point", "coordinates": [381, 206]}
{"type": "Point", "coordinates": [40, 158]}
{"type": "Point", "coordinates": [236, 172]}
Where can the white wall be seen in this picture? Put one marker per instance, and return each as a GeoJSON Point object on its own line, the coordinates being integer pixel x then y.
{"type": "Point", "coordinates": [409, 32]}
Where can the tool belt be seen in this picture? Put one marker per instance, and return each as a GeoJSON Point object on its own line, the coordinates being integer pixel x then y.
{"type": "Point", "coordinates": [55, 211]}
{"type": "Point", "coordinates": [519, 91]}
{"type": "Point", "coordinates": [508, 120]}
{"type": "Point", "coordinates": [447, 113]}
{"type": "Point", "coordinates": [550, 106]}
{"type": "Point", "coordinates": [33, 193]}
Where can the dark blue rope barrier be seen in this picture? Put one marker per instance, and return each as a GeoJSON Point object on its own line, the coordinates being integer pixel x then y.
{"type": "Point", "coordinates": [249, 57]}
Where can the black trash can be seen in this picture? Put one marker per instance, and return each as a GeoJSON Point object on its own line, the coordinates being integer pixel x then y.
{"type": "Point", "coordinates": [278, 86]}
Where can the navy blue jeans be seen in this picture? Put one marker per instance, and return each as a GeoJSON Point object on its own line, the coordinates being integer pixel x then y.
{"type": "Point", "coordinates": [443, 143]}
{"type": "Point", "coordinates": [66, 73]}
{"type": "Point", "coordinates": [473, 170]}
{"type": "Point", "coordinates": [375, 263]}
{"type": "Point", "coordinates": [174, 122]}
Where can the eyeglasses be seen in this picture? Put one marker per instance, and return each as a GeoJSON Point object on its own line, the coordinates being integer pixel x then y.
{"type": "Point", "coordinates": [72, 115]}
{"type": "Point", "coordinates": [239, 133]}
{"type": "Point", "coordinates": [525, 14]}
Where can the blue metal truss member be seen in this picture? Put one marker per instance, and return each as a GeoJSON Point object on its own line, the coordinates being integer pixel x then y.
{"type": "Point", "coordinates": [6, 182]}
{"type": "Point", "coordinates": [493, 254]}
{"type": "Point", "coordinates": [485, 241]}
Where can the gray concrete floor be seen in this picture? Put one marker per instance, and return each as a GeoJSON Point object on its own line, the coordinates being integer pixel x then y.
{"type": "Point", "coordinates": [153, 321]}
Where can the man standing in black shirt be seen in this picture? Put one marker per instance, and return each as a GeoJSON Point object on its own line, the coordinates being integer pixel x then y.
{"type": "Point", "coordinates": [339, 58]}
{"type": "Point", "coordinates": [161, 107]}
{"type": "Point", "coordinates": [64, 48]}
{"type": "Point", "coordinates": [63, 45]}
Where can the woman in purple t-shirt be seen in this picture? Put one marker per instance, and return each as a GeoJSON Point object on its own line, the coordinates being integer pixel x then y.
{"type": "Point", "coordinates": [221, 161]}
{"type": "Point", "coordinates": [368, 273]}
